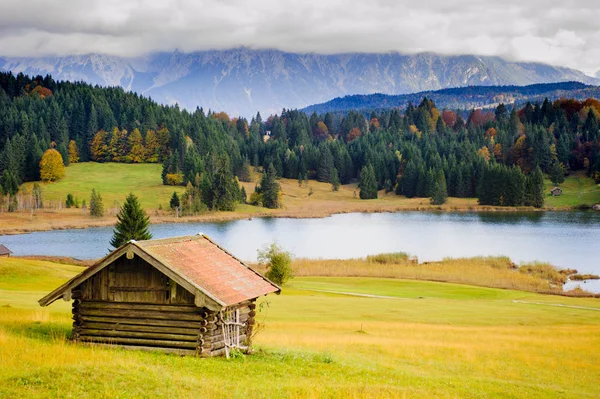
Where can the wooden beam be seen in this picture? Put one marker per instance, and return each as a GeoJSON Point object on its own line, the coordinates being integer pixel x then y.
{"type": "Point", "coordinates": [140, 341]}
{"type": "Point", "coordinates": [140, 321]}
{"type": "Point", "coordinates": [141, 314]}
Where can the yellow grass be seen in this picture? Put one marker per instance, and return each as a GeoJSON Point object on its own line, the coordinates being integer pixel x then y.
{"type": "Point", "coordinates": [496, 272]}
{"type": "Point", "coordinates": [427, 340]}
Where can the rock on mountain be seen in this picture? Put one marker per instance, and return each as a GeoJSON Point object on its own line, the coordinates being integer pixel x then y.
{"type": "Point", "coordinates": [243, 81]}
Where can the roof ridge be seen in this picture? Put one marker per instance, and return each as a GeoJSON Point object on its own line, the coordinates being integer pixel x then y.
{"type": "Point", "coordinates": [167, 240]}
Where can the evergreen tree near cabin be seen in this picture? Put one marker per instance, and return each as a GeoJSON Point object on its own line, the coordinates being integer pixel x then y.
{"type": "Point", "coordinates": [96, 204]}
{"type": "Point", "coordinates": [368, 183]}
{"type": "Point", "coordinates": [132, 223]}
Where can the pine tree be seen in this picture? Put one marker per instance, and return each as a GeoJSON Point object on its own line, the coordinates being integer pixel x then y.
{"type": "Point", "coordinates": [439, 191]}
{"type": "Point", "coordinates": [70, 202]}
{"type": "Point", "coordinates": [368, 183]}
{"type": "Point", "coordinates": [96, 205]}
{"type": "Point", "coordinates": [335, 180]}
{"type": "Point", "coordinates": [534, 189]}
{"type": "Point", "coordinates": [269, 189]}
{"type": "Point", "coordinates": [132, 223]}
{"type": "Point", "coordinates": [556, 172]}
{"type": "Point", "coordinates": [174, 203]}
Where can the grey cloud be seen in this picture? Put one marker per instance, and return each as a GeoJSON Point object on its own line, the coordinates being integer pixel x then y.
{"type": "Point", "coordinates": [557, 32]}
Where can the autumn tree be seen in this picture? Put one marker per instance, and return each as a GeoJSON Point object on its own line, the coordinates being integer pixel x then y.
{"type": "Point", "coordinates": [137, 152]}
{"type": "Point", "coordinates": [52, 167]}
{"type": "Point", "coordinates": [321, 132]}
{"type": "Point", "coordinates": [132, 223]}
{"type": "Point", "coordinates": [353, 135]}
{"type": "Point", "coordinates": [73, 152]}
{"type": "Point", "coordinates": [100, 147]}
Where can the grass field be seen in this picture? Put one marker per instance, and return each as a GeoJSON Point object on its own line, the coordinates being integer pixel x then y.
{"type": "Point", "coordinates": [114, 181]}
{"type": "Point", "coordinates": [578, 190]}
{"type": "Point", "coordinates": [420, 339]}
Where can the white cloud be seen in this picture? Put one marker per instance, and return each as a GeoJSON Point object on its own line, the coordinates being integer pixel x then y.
{"type": "Point", "coordinates": [557, 32]}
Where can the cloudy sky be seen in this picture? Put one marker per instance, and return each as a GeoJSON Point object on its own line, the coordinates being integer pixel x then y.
{"type": "Point", "coordinates": [565, 33]}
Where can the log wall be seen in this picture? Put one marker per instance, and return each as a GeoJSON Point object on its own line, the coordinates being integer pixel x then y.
{"type": "Point", "coordinates": [132, 304]}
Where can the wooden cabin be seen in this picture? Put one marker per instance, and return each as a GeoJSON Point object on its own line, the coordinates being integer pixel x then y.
{"type": "Point", "coordinates": [184, 295]}
{"type": "Point", "coordinates": [4, 252]}
{"type": "Point", "coordinates": [556, 191]}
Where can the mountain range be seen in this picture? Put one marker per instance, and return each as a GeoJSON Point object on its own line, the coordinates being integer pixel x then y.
{"type": "Point", "coordinates": [243, 81]}
{"type": "Point", "coordinates": [465, 98]}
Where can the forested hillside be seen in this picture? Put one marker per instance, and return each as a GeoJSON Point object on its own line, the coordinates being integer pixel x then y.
{"type": "Point", "coordinates": [421, 151]}
{"type": "Point", "coordinates": [460, 97]}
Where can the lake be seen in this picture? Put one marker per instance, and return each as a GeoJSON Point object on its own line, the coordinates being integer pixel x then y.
{"type": "Point", "coordinates": [565, 239]}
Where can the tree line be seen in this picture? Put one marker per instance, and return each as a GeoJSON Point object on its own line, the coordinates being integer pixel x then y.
{"type": "Point", "coordinates": [496, 155]}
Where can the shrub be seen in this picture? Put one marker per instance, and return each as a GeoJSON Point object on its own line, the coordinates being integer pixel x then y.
{"type": "Point", "coordinates": [277, 262]}
{"type": "Point", "coordinates": [174, 179]}
{"type": "Point", "coordinates": [389, 258]}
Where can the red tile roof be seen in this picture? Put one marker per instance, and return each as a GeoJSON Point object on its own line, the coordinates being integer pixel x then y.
{"type": "Point", "coordinates": [205, 264]}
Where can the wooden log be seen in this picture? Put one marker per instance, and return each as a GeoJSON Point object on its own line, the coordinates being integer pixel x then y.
{"type": "Point", "coordinates": [139, 306]}
{"type": "Point", "coordinates": [140, 314]}
{"type": "Point", "coordinates": [141, 321]}
{"type": "Point", "coordinates": [137, 334]}
{"type": "Point", "coordinates": [140, 341]}
{"type": "Point", "coordinates": [139, 328]}
{"type": "Point", "coordinates": [218, 352]}
{"type": "Point", "coordinates": [175, 351]}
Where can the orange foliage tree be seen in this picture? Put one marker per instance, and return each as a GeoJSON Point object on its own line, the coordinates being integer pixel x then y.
{"type": "Point", "coordinates": [449, 118]}
{"type": "Point", "coordinates": [52, 167]}
{"type": "Point", "coordinates": [353, 134]}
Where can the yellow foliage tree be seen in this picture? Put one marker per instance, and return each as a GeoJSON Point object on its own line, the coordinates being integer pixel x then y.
{"type": "Point", "coordinates": [484, 152]}
{"type": "Point", "coordinates": [52, 166]}
{"type": "Point", "coordinates": [137, 154]}
{"type": "Point", "coordinates": [73, 152]}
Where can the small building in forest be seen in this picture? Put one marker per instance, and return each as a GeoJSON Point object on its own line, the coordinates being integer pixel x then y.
{"type": "Point", "coordinates": [4, 252]}
{"type": "Point", "coordinates": [184, 295]}
{"type": "Point", "coordinates": [556, 191]}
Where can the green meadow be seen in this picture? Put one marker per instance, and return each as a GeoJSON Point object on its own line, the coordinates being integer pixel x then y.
{"type": "Point", "coordinates": [340, 337]}
{"type": "Point", "coordinates": [578, 190]}
{"type": "Point", "coordinates": [114, 181]}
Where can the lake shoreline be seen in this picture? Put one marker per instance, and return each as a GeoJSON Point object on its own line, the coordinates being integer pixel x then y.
{"type": "Point", "coordinates": [23, 222]}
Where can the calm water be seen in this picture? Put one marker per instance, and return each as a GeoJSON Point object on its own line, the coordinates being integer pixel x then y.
{"type": "Point", "coordinates": [566, 239]}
